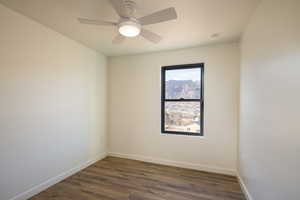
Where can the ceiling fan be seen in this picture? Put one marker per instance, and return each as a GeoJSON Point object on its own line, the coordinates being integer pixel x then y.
{"type": "Point", "coordinates": [130, 26]}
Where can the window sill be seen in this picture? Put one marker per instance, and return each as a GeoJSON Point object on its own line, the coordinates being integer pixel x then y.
{"type": "Point", "coordinates": [181, 134]}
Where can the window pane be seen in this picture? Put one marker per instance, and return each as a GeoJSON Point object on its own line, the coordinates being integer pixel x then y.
{"type": "Point", "coordinates": [182, 117]}
{"type": "Point", "coordinates": [183, 83]}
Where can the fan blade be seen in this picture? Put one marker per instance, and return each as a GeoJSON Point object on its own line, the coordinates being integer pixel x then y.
{"type": "Point", "coordinates": [160, 16]}
{"type": "Point", "coordinates": [119, 7]}
{"type": "Point", "coordinates": [149, 35]}
{"type": "Point", "coordinates": [96, 22]}
{"type": "Point", "coordinates": [118, 39]}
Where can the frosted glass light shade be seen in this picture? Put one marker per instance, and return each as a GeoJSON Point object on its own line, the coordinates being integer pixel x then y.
{"type": "Point", "coordinates": [129, 29]}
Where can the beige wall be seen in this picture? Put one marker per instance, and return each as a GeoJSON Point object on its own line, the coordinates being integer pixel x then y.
{"type": "Point", "coordinates": [52, 105]}
{"type": "Point", "coordinates": [134, 109]}
{"type": "Point", "coordinates": [270, 97]}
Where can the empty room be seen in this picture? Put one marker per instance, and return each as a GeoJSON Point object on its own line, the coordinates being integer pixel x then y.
{"type": "Point", "coordinates": [149, 99]}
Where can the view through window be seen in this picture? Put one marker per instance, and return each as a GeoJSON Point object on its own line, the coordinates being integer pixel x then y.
{"type": "Point", "coordinates": [182, 99]}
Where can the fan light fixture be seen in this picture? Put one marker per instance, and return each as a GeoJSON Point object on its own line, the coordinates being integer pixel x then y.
{"type": "Point", "coordinates": [129, 29]}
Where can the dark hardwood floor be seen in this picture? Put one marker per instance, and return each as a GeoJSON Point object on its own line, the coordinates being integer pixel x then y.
{"type": "Point", "coordinates": [122, 179]}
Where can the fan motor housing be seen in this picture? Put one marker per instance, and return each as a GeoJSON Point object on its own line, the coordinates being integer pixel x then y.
{"type": "Point", "coordinates": [130, 7]}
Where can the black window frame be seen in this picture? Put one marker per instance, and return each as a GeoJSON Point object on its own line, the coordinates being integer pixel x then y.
{"type": "Point", "coordinates": [200, 100]}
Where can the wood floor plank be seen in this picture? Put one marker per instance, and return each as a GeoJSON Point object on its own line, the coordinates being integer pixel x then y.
{"type": "Point", "coordinates": [123, 179]}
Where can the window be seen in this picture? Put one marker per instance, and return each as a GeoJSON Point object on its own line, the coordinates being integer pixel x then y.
{"type": "Point", "coordinates": [182, 99]}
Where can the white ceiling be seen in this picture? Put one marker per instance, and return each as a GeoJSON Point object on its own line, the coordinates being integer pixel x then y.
{"type": "Point", "coordinates": [197, 21]}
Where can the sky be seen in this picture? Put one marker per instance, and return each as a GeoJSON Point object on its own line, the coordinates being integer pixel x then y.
{"type": "Point", "coordinates": [183, 74]}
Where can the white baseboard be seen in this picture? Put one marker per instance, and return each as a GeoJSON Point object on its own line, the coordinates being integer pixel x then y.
{"type": "Point", "coordinates": [244, 188]}
{"type": "Point", "coordinates": [50, 182]}
{"type": "Point", "coordinates": [175, 163]}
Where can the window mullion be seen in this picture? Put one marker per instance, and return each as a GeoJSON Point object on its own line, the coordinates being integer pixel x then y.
{"type": "Point", "coordinates": [183, 100]}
